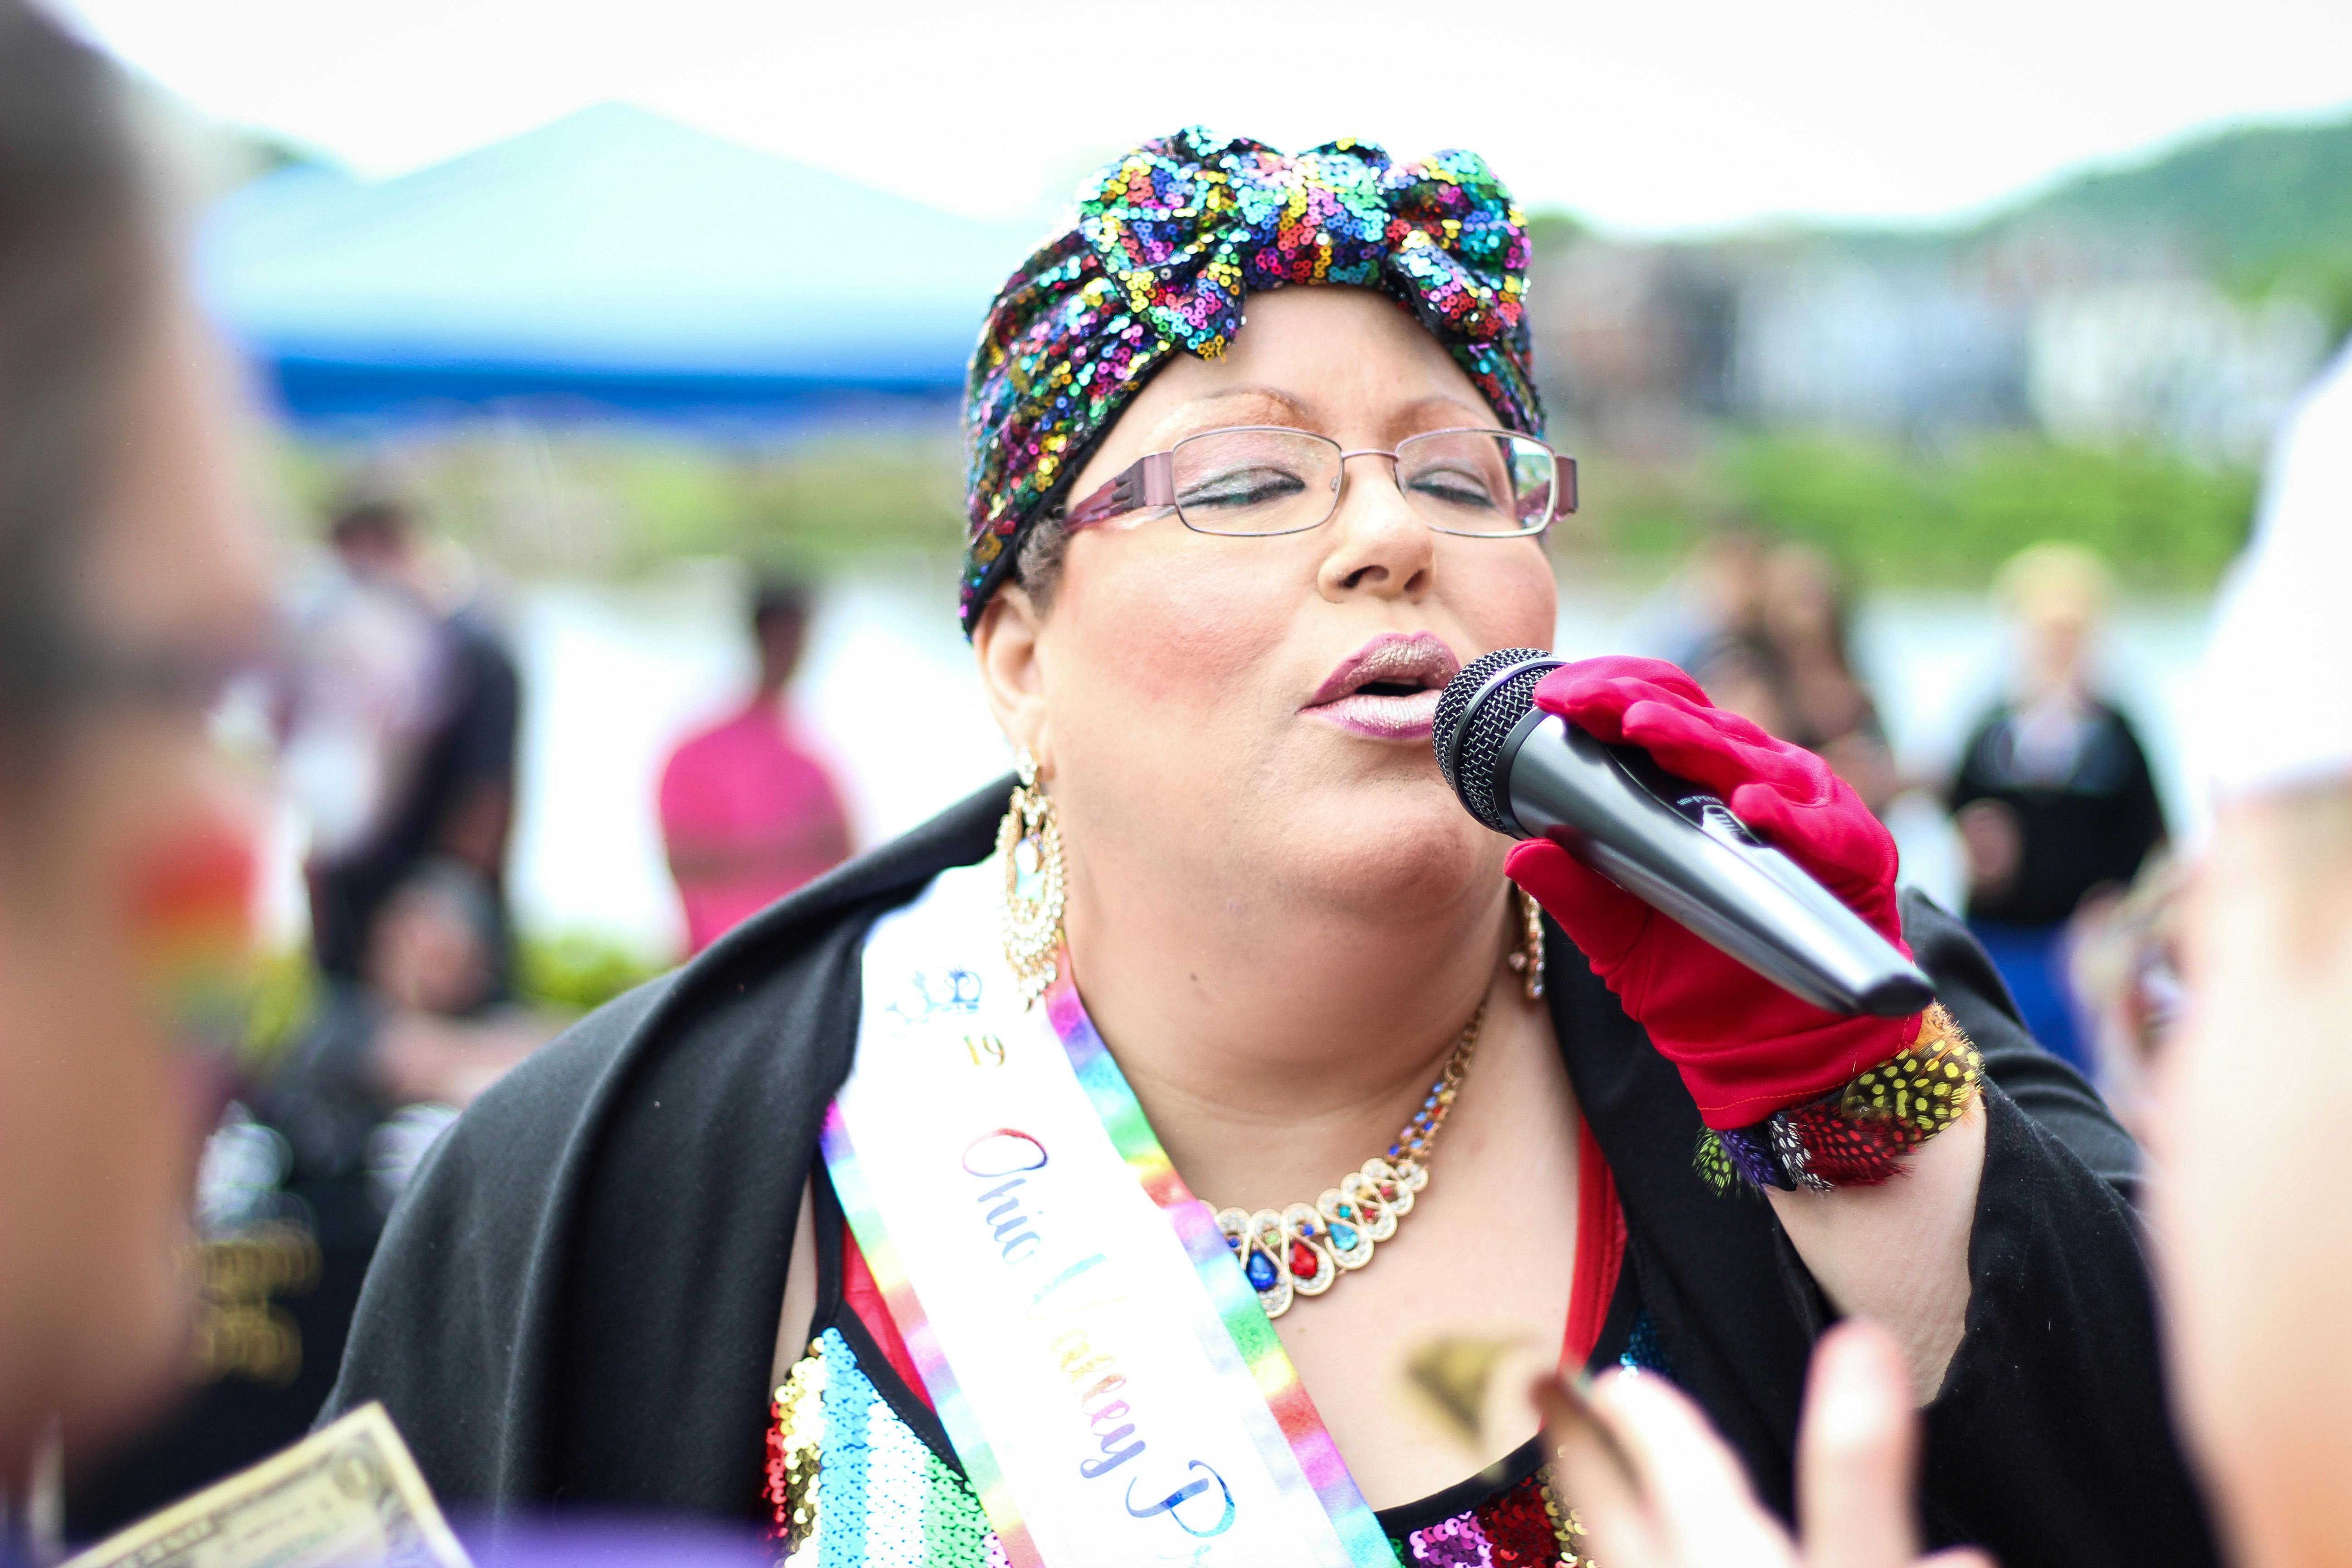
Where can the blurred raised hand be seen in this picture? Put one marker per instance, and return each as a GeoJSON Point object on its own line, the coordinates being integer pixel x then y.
{"type": "Point", "coordinates": [1655, 1487]}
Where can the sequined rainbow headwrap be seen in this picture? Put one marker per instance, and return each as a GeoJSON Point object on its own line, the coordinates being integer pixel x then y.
{"type": "Point", "coordinates": [1167, 243]}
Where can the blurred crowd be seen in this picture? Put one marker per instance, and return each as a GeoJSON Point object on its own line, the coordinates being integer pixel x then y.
{"type": "Point", "coordinates": [2051, 797]}
{"type": "Point", "coordinates": [137, 610]}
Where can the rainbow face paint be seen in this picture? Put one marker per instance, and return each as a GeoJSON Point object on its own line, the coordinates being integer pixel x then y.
{"type": "Point", "coordinates": [192, 918]}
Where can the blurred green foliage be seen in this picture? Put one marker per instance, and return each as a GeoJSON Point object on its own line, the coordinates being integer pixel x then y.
{"type": "Point", "coordinates": [282, 1003]}
{"type": "Point", "coordinates": [1902, 515]}
{"type": "Point", "coordinates": [1897, 512]}
{"type": "Point", "coordinates": [570, 971]}
{"type": "Point", "coordinates": [2262, 208]}
{"type": "Point", "coordinates": [579, 970]}
{"type": "Point", "coordinates": [599, 500]}
{"type": "Point", "coordinates": [830, 498]}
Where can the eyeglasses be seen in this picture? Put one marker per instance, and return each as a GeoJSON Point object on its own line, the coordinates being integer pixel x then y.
{"type": "Point", "coordinates": [1258, 480]}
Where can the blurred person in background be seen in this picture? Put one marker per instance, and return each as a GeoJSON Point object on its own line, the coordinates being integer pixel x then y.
{"type": "Point", "coordinates": [747, 812]}
{"type": "Point", "coordinates": [711, 1252]}
{"type": "Point", "coordinates": [440, 778]}
{"type": "Point", "coordinates": [1728, 649]}
{"type": "Point", "coordinates": [132, 588]}
{"type": "Point", "coordinates": [2054, 799]}
{"type": "Point", "coordinates": [1825, 708]}
{"type": "Point", "coordinates": [1780, 655]}
{"type": "Point", "coordinates": [427, 1025]}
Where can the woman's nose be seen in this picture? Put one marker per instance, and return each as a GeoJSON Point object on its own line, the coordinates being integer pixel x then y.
{"type": "Point", "coordinates": [1375, 542]}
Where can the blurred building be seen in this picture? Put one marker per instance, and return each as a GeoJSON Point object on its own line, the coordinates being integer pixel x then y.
{"type": "Point", "coordinates": [2122, 308]}
{"type": "Point", "coordinates": [2170, 361]}
{"type": "Point", "coordinates": [1834, 338]}
{"type": "Point", "coordinates": [1635, 340]}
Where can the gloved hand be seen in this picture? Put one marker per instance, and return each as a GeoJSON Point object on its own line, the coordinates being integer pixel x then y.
{"type": "Point", "coordinates": [1746, 1049]}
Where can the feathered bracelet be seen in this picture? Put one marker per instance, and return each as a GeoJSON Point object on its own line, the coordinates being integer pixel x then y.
{"type": "Point", "coordinates": [1854, 1136]}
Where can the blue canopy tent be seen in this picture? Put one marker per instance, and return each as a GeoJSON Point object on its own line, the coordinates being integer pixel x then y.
{"type": "Point", "coordinates": [612, 264]}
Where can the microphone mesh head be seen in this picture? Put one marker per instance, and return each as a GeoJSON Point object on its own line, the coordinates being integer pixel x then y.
{"type": "Point", "coordinates": [1475, 713]}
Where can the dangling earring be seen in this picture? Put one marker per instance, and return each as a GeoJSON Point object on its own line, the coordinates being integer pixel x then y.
{"type": "Point", "coordinates": [1030, 844]}
{"type": "Point", "coordinates": [1528, 960]}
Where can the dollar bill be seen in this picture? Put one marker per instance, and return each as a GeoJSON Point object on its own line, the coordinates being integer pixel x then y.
{"type": "Point", "coordinates": [349, 1496]}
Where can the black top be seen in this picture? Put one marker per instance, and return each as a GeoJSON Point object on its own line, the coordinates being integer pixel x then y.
{"type": "Point", "coordinates": [2089, 820]}
{"type": "Point", "coordinates": [576, 1299]}
{"type": "Point", "coordinates": [471, 746]}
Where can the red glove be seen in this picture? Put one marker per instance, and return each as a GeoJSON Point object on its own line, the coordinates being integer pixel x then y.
{"type": "Point", "coordinates": [1746, 1049]}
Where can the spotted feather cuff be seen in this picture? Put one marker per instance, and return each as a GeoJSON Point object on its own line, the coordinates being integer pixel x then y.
{"type": "Point", "coordinates": [1854, 1136]}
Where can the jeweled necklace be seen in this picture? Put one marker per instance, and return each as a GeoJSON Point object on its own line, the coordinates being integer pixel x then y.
{"type": "Point", "coordinates": [1303, 1249]}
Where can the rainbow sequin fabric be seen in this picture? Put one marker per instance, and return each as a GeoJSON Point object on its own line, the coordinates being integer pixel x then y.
{"type": "Point", "coordinates": [1167, 243]}
{"type": "Point", "coordinates": [851, 1485]}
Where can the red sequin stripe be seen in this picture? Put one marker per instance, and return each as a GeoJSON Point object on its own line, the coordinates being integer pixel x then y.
{"type": "Point", "coordinates": [780, 1502]}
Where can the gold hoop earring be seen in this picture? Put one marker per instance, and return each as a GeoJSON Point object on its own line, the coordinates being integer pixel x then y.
{"type": "Point", "coordinates": [1528, 960]}
{"type": "Point", "coordinates": [1029, 842]}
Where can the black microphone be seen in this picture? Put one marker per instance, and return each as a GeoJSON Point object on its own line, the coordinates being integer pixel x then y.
{"type": "Point", "coordinates": [1676, 847]}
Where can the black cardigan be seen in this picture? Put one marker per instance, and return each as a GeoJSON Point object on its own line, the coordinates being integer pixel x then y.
{"type": "Point", "coordinates": [575, 1302]}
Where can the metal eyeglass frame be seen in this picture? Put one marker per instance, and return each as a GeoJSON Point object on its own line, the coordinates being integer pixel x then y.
{"type": "Point", "coordinates": [1149, 484]}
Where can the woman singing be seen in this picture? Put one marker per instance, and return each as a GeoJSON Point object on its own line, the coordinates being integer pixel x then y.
{"type": "Point", "coordinates": [1069, 1181]}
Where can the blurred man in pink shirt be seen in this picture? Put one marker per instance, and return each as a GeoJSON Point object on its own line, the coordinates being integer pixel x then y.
{"type": "Point", "coordinates": [749, 814]}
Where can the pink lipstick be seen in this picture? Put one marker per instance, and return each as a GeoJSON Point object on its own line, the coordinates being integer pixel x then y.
{"type": "Point", "coordinates": [1387, 689]}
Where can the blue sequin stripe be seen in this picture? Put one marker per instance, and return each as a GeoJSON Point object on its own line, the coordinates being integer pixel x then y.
{"type": "Point", "coordinates": [842, 1481]}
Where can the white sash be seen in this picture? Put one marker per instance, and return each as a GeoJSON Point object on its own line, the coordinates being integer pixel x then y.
{"type": "Point", "coordinates": [1104, 1372]}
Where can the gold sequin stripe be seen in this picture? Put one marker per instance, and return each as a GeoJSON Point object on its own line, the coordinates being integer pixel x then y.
{"type": "Point", "coordinates": [1858, 1134]}
{"type": "Point", "coordinates": [1566, 1529]}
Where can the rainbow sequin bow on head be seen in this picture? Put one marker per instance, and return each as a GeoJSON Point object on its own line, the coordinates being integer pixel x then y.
{"type": "Point", "coordinates": [1167, 243]}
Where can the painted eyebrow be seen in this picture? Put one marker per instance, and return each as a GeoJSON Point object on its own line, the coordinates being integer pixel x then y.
{"type": "Point", "coordinates": [1268, 394]}
{"type": "Point", "coordinates": [1440, 400]}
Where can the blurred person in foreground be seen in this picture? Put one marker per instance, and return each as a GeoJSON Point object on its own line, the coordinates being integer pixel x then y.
{"type": "Point", "coordinates": [2054, 799]}
{"type": "Point", "coordinates": [131, 587]}
{"type": "Point", "coordinates": [2123, 966]}
{"type": "Point", "coordinates": [877, 1221]}
{"type": "Point", "coordinates": [2256, 1217]}
{"type": "Point", "coordinates": [435, 767]}
{"type": "Point", "coordinates": [748, 813]}
{"type": "Point", "coordinates": [2250, 1075]}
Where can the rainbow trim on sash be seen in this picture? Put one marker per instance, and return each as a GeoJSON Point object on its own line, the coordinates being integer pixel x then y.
{"type": "Point", "coordinates": [1212, 1260]}
{"type": "Point", "coordinates": [1113, 1100]}
{"type": "Point", "coordinates": [947, 1398]}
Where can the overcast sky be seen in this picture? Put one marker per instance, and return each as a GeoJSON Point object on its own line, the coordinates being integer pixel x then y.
{"type": "Point", "coordinates": [1645, 116]}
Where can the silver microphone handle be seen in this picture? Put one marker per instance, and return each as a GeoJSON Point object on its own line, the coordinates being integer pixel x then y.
{"type": "Point", "coordinates": [1778, 921]}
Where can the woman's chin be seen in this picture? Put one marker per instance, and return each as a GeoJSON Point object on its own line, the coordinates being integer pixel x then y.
{"type": "Point", "coordinates": [1379, 843]}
